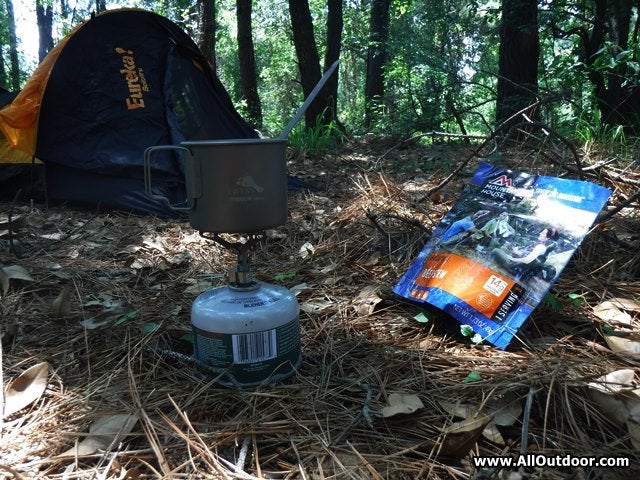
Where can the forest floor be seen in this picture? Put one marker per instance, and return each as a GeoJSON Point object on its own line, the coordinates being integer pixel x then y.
{"type": "Point", "coordinates": [93, 302]}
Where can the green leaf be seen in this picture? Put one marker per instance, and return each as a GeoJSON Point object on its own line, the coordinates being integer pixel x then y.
{"type": "Point", "coordinates": [577, 299]}
{"type": "Point", "coordinates": [466, 330]}
{"type": "Point", "coordinates": [281, 277]}
{"type": "Point", "coordinates": [125, 318]}
{"type": "Point", "coordinates": [150, 327]}
{"type": "Point", "coordinates": [472, 377]}
{"type": "Point", "coordinates": [477, 338]}
{"type": "Point", "coordinates": [422, 318]}
{"type": "Point", "coordinates": [552, 301]}
{"type": "Point", "coordinates": [188, 337]}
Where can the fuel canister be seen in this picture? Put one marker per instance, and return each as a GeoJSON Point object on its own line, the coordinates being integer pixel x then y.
{"type": "Point", "coordinates": [248, 332]}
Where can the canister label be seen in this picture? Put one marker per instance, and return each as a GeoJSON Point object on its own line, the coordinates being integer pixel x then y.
{"type": "Point", "coordinates": [249, 358]}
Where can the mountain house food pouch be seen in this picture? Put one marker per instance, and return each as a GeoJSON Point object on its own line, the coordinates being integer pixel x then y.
{"type": "Point", "coordinates": [496, 253]}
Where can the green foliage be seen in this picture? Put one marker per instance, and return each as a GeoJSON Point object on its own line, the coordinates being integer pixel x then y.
{"type": "Point", "coordinates": [556, 303]}
{"type": "Point", "coordinates": [441, 70]}
{"type": "Point", "coordinates": [283, 277]}
{"type": "Point", "coordinates": [472, 377]}
{"type": "Point", "coordinates": [131, 315]}
{"type": "Point", "coordinates": [320, 138]}
{"type": "Point", "coordinates": [467, 331]}
{"type": "Point", "coordinates": [591, 130]}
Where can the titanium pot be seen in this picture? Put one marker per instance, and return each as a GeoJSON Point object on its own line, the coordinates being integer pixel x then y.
{"type": "Point", "coordinates": [233, 186]}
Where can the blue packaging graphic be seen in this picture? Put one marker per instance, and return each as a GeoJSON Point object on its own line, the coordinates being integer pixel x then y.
{"type": "Point", "coordinates": [498, 251]}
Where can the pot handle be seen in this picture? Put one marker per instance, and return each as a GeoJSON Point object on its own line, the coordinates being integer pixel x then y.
{"type": "Point", "coordinates": [192, 174]}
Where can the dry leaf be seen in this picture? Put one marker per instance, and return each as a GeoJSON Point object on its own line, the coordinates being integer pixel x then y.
{"type": "Point", "coordinates": [61, 306]}
{"type": "Point", "coordinates": [156, 243]}
{"type": "Point", "coordinates": [460, 437]}
{"type": "Point", "coordinates": [610, 406]}
{"type": "Point", "coordinates": [492, 433]}
{"type": "Point", "coordinates": [609, 312]}
{"type": "Point", "coordinates": [329, 268]}
{"type": "Point", "coordinates": [104, 432]}
{"type": "Point", "coordinates": [625, 304]}
{"type": "Point", "coordinates": [615, 399]}
{"type": "Point", "coordinates": [622, 345]}
{"type": "Point", "coordinates": [13, 272]}
{"type": "Point", "coordinates": [94, 323]}
{"type": "Point", "coordinates": [633, 422]}
{"type": "Point", "coordinates": [505, 409]}
{"type": "Point", "coordinates": [373, 259]}
{"type": "Point", "coordinates": [366, 301]}
{"type": "Point", "coordinates": [333, 280]}
{"type": "Point", "coordinates": [437, 197]}
{"type": "Point", "coordinates": [179, 258]}
{"type": "Point", "coordinates": [402, 403]}
{"type": "Point", "coordinates": [8, 333]}
{"type": "Point", "coordinates": [616, 381]}
{"type": "Point", "coordinates": [199, 286]}
{"type": "Point", "coordinates": [296, 289]}
{"type": "Point", "coordinates": [461, 410]}
{"type": "Point", "coordinates": [26, 388]}
{"type": "Point", "coordinates": [4, 282]}
{"type": "Point", "coordinates": [634, 432]}
{"type": "Point", "coordinates": [129, 249]}
{"type": "Point", "coordinates": [316, 306]}
{"type": "Point", "coordinates": [106, 300]}
{"type": "Point", "coordinates": [307, 250]}
{"type": "Point", "coordinates": [17, 272]}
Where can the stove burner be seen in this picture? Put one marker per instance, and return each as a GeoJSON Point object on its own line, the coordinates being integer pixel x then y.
{"type": "Point", "coordinates": [240, 277]}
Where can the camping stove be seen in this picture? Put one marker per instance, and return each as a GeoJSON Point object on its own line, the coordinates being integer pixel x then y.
{"type": "Point", "coordinates": [246, 332]}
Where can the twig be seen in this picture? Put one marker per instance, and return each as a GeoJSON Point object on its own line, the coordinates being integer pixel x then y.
{"type": "Point", "coordinates": [476, 152]}
{"type": "Point", "coordinates": [432, 133]}
{"type": "Point", "coordinates": [12, 471]}
{"type": "Point", "coordinates": [374, 220]}
{"type": "Point", "coordinates": [550, 131]}
{"type": "Point", "coordinates": [606, 216]}
{"type": "Point", "coordinates": [365, 413]}
{"type": "Point", "coordinates": [526, 417]}
{"type": "Point", "coordinates": [300, 466]}
{"type": "Point", "coordinates": [12, 247]}
{"type": "Point", "coordinates": [217, 372]}
{"type": "Point", "coordinates": [242, 456]}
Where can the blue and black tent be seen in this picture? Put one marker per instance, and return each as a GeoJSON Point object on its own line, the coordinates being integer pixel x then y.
{"type": "Point", "coordinates": [120, 82]}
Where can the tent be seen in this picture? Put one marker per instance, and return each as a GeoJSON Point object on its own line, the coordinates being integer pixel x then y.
{"type": "Point", "coordinates": [18, 170]}
{"type": "Point", "coordinates": [118, 83]}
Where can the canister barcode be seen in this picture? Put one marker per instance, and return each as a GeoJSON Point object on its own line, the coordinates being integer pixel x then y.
{"type": "Point", "coordinates": [254, 347]}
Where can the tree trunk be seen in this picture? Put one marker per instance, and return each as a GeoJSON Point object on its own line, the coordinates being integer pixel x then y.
{"type": "Point", "coordinates": [518, 61]}
{"type": "Point", "coordinates": [44, 19]}
{"type": "Point", "coordinates": [64, 9]}
{"type": "Point", "coordinates": [13, 82]}
{"type": "Point", "coordinates": [334, 41]}
{"type": "Point", "coordinates": [4, 84]}
{"type": "Point", "coordinates": [376, 58]}
{"type": "Point", "coordinates": [247, 61]}
{"type": "Point", "coordinates": [617, 105]}
{"type": "Point", "coordinates": [207, 41]}
{"type": "Point", "coordinates": [308, 62]}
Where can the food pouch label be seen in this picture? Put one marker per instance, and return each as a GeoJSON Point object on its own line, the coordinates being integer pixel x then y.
{"type": "Point", "coordinates": [501, 247]}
